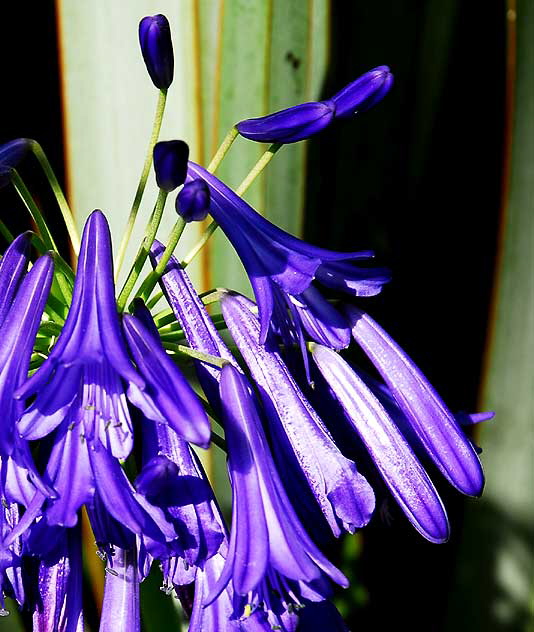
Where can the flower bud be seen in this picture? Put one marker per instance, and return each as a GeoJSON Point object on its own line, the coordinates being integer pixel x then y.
{"type": "Point", "coordinates": [193, 201]}
{"type": "Point", "coordinates": [156, 47]}
{"type": "Point", "coordinates": [170, 163]}
{"type": "Point", "coordinates": [290, 125]}
{"type": "Point", "coordinates": [13, 152]}
{"type": "Point", "coordinates": [364, 92]}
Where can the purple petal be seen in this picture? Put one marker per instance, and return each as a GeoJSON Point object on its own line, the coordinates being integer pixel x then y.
{"type": "Point", "coordinates": [156, 47]}
{"type": "Point", "coordinates": [12, 270]}
{"type": "Point", "coordinates": [430, 419]}
{"type": "Point", "coordinates": [166, 385]}
{"type": "Point", "coordinates": [389, 450]}
{"type": "Point", "coordinates": [120, 609]}
{"type": "Point", "coordinates": [343, 494]}
{"type": "Point", "coordinates": [59, 605]}
{"type": "Point", "coordinates": [289, 125]}
{"type": "Point", "coordinates": [363, 93]}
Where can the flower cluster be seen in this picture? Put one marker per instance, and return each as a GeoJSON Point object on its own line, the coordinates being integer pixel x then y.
{"type": "Point", "coordinates": [99, 415]}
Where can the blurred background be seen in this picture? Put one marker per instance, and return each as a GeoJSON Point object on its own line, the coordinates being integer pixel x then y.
{"type": "Point", "coordinates": [438, 180]}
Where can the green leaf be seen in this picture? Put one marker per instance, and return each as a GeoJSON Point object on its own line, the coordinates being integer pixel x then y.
{"type": "Point", "coordinates": [496, 561]}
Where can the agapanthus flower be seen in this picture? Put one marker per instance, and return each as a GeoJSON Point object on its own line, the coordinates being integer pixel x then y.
{"type": "Point", "coordinates": [57, 598]}
{"type": "Point", "coordinates": [344, 496]}
{"type": "Point", "coordinates": [363, 93]}
{"type": "Point", "coordinates": [156, 47]}
{"type": "Point", "coordinates": [170, 163]}
{"type": "Point", "coordinates": [277, 262]}
{"type": "Point", "coordinates": [193, 201]}
{"type": "Point", "coordinates": [267, 542]}
{"type": "Point", "coordinates": [389, 450]}
{"type": "Point", "coordinates": [307, 119]}
{"type": "Point", "coordinates": [21, 308]}
{"type": "Point", "coordinates": [80, 396]}
{"type": "Point", "coordinates": [428, 419]}
{"type": "Point", "coordinates": [13, 152]}
{"type": "Point", "coordinates": [120, 608]}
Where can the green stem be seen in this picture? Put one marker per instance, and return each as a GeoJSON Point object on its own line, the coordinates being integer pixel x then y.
{"type": "Point", "coordinates": [58, 193]}
{"type": "Point", "coordinates": [223, 149]}
{"type": "Point", "coordinates": [154, 300]}
{"type": "Point", "coordinates": [200, 244]}
{"type": "Point", "coordinates": [33, 209]}
{"type": "Point", "coordinates": [150, 282]}
{"type": "Point", "coordinates": [197, 355]}
{"type": "Point", "coordinates": [158, 119]}
{"type": "Point", "coordinates": [144, 249]}
{"type": "Point", "coordinates": [264, 160]}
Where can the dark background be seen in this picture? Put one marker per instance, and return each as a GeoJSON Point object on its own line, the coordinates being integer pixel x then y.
{"type": "Point", "coordinates": [419, 179]}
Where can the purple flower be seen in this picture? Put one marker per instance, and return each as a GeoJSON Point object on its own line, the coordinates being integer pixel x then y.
{"type": "Point", "coordinates": [173, 480]}
{"type": "Point", "coordinates": [156, 47]}
{"type": "Point", "coordinates": [13, 152]}
{"type": "Point", "coordinates": [363, 93]}
{"type": "Point", "coordinates": [193, 201]}
{"type": "Point", "coordinates": [80, 397]}
{"type": "Point", "coordinates": [289, 125]}
{"type": "Point", "coordinates": [304, 120]}
{"type": "Point", "coordinates": [21, 319]}
{"type": "Point", "coordinates": [277, 262]}
{"type": "Point", "coordinates": [267, 540]}
{"type": "Point", "coordinates": [59, 586]}
{"type": "Point", "coordinates": [120, 609]}
{"type": "Point", "coordinates": [167, 397]}
{"type": "Point", "coordinates": [11, 576]}
{"type": "Point", "coordinates": [430, 421]}
{"type": "Point", "coordinates": [389, 450]}
{"type": "Point", "coordinates": [199, 330]}
{"type": "Point", "coordinates": [344, 496]}
{"type": "Point", "coordinates": [170, 163]}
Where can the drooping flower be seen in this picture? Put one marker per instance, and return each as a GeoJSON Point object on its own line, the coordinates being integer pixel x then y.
{"type": "Point", "coordinates": [120, 609]}
{"type": "Point", "coordinates": [193, 201]}
{"type": "Point", "coordinates": [267, 540]}
{"type": "Point", "coordinates": [168, 397]}
{"type": "Point", "coordinates": [80, 396]}
{"type": "Point", "coordinates": [13, 152]}
{"type": "Point", "coordinates": [307, 119]}
{"type": "Point", "coordinates": [363, 93]}
{"type": "Point", "coordinates": [403, 474]}
{"type": "Point", "coordinates": [58, 599]}
{"type": "Point", "coordinates": [173, 480]}
{"type": "Point", "coordinates": [344, 496]}
{"type": "Point", "coordinates": [170, 163]}
{"type": "Point", "coordinates": [289, 125]}
{"type": "Point", "coordinates": [430, 422]}
{"type": "Point", "coordinates": [277, 262]}
{"type": "Point", "coordinates": [156, 47]}
{"type": "Point", "coordinates": [21, 317]}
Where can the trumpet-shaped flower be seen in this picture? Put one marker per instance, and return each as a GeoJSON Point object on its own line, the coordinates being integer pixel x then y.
{"type": "Point", "coordinates": [403, 474]}
{"type": "Point", "coordinates": [278, 262]}
{"type": "Point", "coordinates": [266, 536]}
{"type": "Point", "coordinates": [80, 395]}
{"type": "Point", "coordinates": [430, 421]}
{"type": "Point", "coordinates": [19, 479]}
{"type": "Point", "coordinates": [307, 119]}
{"type": "Point", "coordinates": [344, 496]}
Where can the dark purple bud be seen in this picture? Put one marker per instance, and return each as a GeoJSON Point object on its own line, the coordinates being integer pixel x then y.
{"type": "Point", "coordinates": [364, 92]}
{"type": "Point", "coordinates": [170, 163]}
{"type": "Point", "coordinates": [193, 201]}
{"type": "Point", "coordinates": [156, 46]}
{"type": "Point", "coordinates": [12, 153]}
{"type": "Point", "coordinates": [290, 125]}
